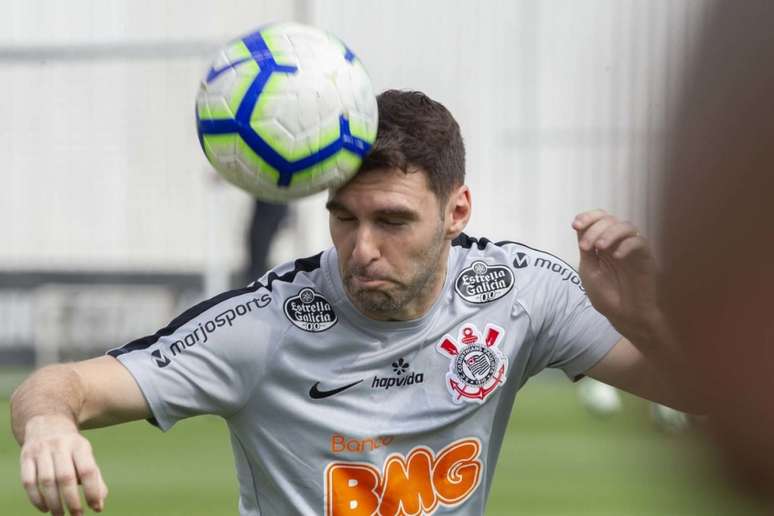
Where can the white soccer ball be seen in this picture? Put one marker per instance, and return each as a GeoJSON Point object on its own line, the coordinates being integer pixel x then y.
{"type": "Point", "coordinates": [286, 111]}
{"type": "Point", "coordinates": [599, 398]}
{"type": "Point", "coordinates": [669, 419]}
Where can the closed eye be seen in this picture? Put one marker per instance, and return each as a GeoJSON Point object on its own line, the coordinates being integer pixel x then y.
{"type": "Point", "coordinates": [394, 223]}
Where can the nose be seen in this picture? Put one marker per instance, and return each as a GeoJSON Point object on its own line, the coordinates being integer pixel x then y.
{"type": "Point", "coordinates": [366, 248]}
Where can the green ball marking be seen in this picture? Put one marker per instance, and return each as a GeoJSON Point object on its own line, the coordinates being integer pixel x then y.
{"type": "Point", "coordinates": [218, 145]}
{"type": "Point", "coordinates": [276, 41]}
{"type": "Point", "coordinates": [214, 111]}
{"type": "Point", "coordinates": [245, 76]}
{"type": "Point", "coordinates": [359, 129]}
{"type": "Point", "coordinates": [246, 73]}
{"type": "Point", "coordinates": [238, 50]}
{"type": "Point", "coordinates": [308, 179]}
{"type": "Point", "coordinates": [269, 174]}
{"type": "Point", "coordinates": [348, 162]}
{"type": "Point", "coordinates": [304, 179]}
{"type": "Point", "coordinates": [329, 135]}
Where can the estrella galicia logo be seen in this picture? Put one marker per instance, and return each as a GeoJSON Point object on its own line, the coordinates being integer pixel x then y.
{"type": "Point", "coordinates": [482, 283]}
{"type": "Point", "coordinates": [520, 261]}
{"type": "Point", "coordinates": [161, 359]}
{"type": "Point", "coordinates": [310, 311]}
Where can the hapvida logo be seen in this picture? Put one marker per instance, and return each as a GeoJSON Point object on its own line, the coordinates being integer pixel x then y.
{"type": "Point", "coordinates": [391, 381]}
{"type": "Point", "coordinates": [399, 367]}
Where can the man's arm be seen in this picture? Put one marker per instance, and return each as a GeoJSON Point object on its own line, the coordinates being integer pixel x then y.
{"type": "Point", "coordinates": [619, 274]}
{"type": "Point", "coordinates": [47, 411]}
{"type": "Point", "coordinates": [627, 368]}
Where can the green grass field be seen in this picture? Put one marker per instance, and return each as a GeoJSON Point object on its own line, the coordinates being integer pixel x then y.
{"type": "Point", "coordinates": [556, 460]}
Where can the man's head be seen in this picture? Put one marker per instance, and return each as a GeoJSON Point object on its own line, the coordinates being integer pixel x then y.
{"type": "Point", "coordinates": [392, 223]}
{"type": "Point", "coordinates": [416, 132]}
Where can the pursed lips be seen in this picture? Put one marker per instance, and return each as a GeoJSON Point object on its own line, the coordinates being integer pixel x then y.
{"type": "Point", "coordinates": [368, 281]}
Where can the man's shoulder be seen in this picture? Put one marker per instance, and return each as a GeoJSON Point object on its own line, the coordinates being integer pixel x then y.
{"type": "Point", "coordinates": [530, 264]}
{"type": "Point", "coordinates": [523, 255]}
{"type": "Point", "coordinates": [302, 272]}
{"type": "Point", "coordinates": [267, 293]}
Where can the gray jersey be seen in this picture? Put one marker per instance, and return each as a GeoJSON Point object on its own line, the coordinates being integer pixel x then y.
{"type": "Point", "coordinates": [334, 413]}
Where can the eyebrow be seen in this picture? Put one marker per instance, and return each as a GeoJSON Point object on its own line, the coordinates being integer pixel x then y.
{"type": "Point", "coordinates": [334, 205]}
{"type": "Point", "coordinates": [391, 212]}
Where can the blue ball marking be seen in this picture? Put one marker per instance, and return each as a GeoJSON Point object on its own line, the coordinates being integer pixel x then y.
{"type": "Point", "coordinates": [214, 73]}
{"type": "Point", "coordinates": [349, 55]}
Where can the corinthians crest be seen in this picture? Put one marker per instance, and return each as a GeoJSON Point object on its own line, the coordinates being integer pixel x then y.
{"type": "Point", "coordinates": [477, 365]}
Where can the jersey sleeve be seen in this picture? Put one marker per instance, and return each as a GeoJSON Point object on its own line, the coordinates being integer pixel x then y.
{"type": "Point", "coordinates": [207, 360]}
{"type": "Point", "coordinates": [568, 332]}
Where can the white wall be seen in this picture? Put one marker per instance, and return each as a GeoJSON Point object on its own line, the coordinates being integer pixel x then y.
{"type": "Point", "coordinates": [561, 104]}
{"type": "Point", "coordinates": [102, 167]}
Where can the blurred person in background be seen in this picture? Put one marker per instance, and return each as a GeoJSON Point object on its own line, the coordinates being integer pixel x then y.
{"type": "Point", "coordinates": [265, 221]}
{"type": "Point", "coordinates": [717, 235]}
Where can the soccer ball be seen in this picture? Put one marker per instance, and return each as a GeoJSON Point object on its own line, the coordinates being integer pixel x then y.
{"type": "Point", "coordinates": [286, 111]}
{"type": "Point", "coordinates": [599, 398]}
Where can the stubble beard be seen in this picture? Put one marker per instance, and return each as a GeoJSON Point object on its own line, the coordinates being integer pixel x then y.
{"type": "Point", "coordinates": [391, 303]}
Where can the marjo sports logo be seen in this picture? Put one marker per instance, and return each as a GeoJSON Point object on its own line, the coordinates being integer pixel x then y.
{"type": "Point", "coordinates": [204, 329]}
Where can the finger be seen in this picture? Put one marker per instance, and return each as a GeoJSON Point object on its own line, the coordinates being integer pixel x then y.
{"type": "Point", "coordinates": [28, 478]}
{"type": "Point", "coordinates": [587, 239]}
{"type": "Point", "coordinates": [88, 472]}
{"type": "Point", "coordinates": [105, 492]}
{"type": "Point", "coordinates": [587, 218]}
{"type": "Point", "coordinates": [614, 234]}
{"type": "Point", "coordinates": [630, 247]}
{"type": "Point", "coordinates": [47, 484]}
{"type": "Point", "coordinates": [64, 471]}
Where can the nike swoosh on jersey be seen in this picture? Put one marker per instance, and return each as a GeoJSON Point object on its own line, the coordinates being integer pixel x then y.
{"type": "Point", "coordinates": [317, 394]}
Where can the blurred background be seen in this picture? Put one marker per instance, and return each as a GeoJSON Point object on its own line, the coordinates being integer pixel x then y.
{"type": "Point", "coordinates": [113, 221]}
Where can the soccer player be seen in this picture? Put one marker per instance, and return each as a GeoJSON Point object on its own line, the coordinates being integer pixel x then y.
{"type": "Point", "coordinates": [377, 376]}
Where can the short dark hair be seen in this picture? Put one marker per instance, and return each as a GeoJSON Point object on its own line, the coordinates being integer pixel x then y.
{"type": "Point", "coordinates": [415, 131]}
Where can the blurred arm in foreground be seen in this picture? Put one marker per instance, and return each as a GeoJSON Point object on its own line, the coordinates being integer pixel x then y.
{"type": "Point", "coordinates": [717, 233]}
{"type": "Point", "coordinates": [619, 273]}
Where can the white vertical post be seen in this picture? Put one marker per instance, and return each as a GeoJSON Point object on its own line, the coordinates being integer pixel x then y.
{"type": "Point", "coordinates": [216, 278]}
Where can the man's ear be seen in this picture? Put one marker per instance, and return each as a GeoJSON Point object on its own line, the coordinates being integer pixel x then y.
{"type": "Point", "coordinates": [458, 209]}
